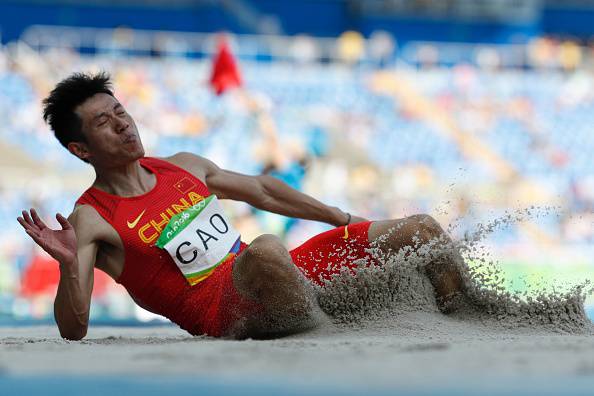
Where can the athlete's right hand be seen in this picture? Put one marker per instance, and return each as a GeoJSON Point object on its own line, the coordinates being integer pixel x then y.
{"type": "Point", "coordinates": [60, 244]}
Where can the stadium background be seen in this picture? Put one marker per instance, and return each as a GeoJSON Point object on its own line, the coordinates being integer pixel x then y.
{"type": "Point", "coordinates": [465, 109]}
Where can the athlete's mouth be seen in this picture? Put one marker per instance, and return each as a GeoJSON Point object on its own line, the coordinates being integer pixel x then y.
{"type": "Point", "coordinates": [130, 139]}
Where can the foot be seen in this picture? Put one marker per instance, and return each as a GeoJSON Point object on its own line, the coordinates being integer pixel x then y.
{"type": "Point", "coordinates": [450, 303]}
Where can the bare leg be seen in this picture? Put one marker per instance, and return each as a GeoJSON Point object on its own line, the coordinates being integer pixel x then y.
{"type": "Point", "coordinates": [265, 272]}
{"type": "Point", "coordinates": [444, 271]}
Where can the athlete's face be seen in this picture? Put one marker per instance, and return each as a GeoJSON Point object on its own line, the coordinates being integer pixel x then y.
{"type": "Point", "coordinates": [111, 134]}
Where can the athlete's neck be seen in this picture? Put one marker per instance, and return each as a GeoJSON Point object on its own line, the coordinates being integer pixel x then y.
{"type": "Point", "coordinates": [126, 181]}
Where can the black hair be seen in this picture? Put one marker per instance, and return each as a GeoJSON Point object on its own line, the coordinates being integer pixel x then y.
{"type": "Point", "coordinates": [58, 107]}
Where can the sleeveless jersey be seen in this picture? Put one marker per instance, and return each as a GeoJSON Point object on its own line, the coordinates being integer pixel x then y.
{"type": "Point", "coordinates": [150, 275]}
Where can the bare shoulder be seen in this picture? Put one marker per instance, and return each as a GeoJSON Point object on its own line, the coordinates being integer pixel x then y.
{"type": "Point", "coordinates": [88, 223]}
{"type": "Point", "coordinates": [223, 183]}
{"type": "Point", "coordinates": [198, 166]}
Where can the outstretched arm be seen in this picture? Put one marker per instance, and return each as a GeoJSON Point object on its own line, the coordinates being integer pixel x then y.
{"type": "Point", "coordinates": [263, 192]}
{"type": "Point", "coordinates": [75, 253]}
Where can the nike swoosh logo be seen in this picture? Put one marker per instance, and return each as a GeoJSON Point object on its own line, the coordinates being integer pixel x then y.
{"type": "Point", "coordinates": [133, 224]}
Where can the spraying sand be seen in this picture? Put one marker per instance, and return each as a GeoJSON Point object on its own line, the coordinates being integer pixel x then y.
{"type": "Point", "coordinates": [398, 285]}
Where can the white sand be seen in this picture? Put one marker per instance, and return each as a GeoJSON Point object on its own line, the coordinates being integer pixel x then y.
{"type": "Point", "coordinates": [415, 349]}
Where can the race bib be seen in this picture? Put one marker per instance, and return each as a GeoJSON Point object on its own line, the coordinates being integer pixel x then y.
{"type": "Point", "coordinates": [199, 239]}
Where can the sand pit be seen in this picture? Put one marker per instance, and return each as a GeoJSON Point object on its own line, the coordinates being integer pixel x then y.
{"type": "Point", "coordinates": [385, 334]}
{"type": "Point", "coordinates": [419, 349]}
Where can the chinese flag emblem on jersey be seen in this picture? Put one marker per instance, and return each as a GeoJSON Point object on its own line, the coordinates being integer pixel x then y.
{"type": "Point", "coordinates": [184, 185]}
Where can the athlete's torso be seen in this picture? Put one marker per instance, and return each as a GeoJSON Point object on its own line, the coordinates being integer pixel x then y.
{"type": "Point", "coordinates": [128, 252]}
{"type": "Point", "coordinates": [110, 249]}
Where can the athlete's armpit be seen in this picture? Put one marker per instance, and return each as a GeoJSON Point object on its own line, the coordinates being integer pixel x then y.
{"type": "Point", "coordinates": [263, 192]}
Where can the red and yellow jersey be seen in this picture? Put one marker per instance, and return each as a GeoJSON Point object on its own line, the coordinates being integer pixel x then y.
{"type": "Point", "coordinates": [149, 273]}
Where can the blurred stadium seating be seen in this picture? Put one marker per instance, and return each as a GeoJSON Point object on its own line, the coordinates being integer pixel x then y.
{"type": "Point", "coordinates": [463, 131]}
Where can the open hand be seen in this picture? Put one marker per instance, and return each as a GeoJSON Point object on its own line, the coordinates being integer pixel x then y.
{"type": "Point", "coordinates": [60, 244]}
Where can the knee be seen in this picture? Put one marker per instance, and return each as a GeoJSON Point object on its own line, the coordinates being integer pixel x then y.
{"type": "Point", "coordinates": [265, 247]}
{"type": "Point", "coordinates": [423, 218]}
{"type": "Point", "coordinates": [427, 227]}
{"type": "Point", "coordinates": [263, 263]}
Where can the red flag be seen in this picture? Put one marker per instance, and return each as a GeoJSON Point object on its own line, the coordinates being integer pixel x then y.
{"type": "Point", "coordinates": [225, 74]}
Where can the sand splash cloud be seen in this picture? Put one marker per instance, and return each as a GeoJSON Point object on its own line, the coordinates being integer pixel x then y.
{"type": "Point", "coordinates": [397, 284]}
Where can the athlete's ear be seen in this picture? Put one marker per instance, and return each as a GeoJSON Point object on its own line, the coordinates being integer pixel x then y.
{"type": "Point", "coordinates": [80, 149]}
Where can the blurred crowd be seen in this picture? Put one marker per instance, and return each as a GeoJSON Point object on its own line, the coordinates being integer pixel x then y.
{"type": "Point", "coordinates": [465, 143]}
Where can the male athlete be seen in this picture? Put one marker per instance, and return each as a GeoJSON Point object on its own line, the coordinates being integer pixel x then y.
{"type": "Point", "coordinates": [210, 282]}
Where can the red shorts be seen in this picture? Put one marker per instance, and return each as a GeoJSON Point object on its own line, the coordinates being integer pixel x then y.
{"type": "Point", "coordinates": [328, 253]}
{"type": "Point", "coordinates": [318, 258]}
